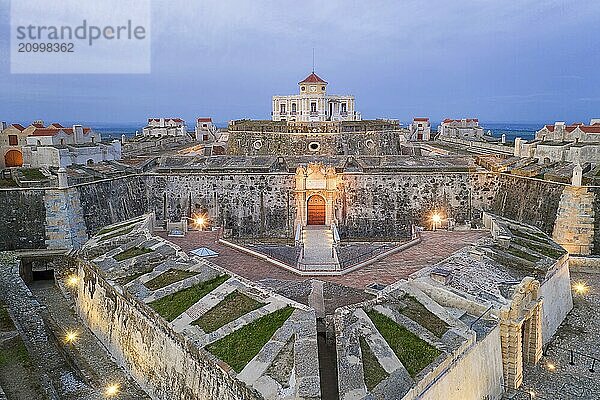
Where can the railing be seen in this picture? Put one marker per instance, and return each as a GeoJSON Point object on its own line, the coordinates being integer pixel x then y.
{"type": "Point", "coordinates": [592, 360]}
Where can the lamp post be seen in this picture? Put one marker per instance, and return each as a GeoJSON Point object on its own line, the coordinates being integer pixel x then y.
{"type": "Point", "coordinates": [436, 219]}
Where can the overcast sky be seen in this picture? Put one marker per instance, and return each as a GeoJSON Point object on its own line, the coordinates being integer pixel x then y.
{"type": "Point", "coordinates": [501, 61]}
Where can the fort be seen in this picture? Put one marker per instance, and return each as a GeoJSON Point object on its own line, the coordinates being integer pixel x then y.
{"type": "Point", "coordinates": [320, 258]}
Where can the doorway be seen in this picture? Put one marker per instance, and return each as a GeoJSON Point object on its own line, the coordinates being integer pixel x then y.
{"type": "Point", "coordinates": [316, 210]}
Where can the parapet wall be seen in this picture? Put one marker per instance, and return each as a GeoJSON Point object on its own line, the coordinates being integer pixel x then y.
{"type": "Point", "coordinates": [161, 361]}
{"type": "Point", "coordinates": [22, 219]}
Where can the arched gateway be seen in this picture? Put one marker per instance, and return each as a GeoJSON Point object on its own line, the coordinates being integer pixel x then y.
{"type": "Point", "coordinates": [316, 210]}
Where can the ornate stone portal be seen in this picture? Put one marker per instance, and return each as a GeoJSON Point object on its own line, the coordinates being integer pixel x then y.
{"type": "Point", "coordinates": [315, 184]}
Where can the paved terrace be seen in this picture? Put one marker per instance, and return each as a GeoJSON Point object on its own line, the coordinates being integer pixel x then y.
{"type": "Point", "coordinates": [434, 247]}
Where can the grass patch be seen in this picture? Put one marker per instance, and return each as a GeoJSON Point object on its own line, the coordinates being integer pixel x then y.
{"type": "Point", "coordinates": [373, 371]}
{"type": "Point", "coordinates": [171, 306]}
{"type": "Point", "coordinates": [546, 250]}
{"type": "Point", "coordinates": [132, 252]}
{"type": "Point", "coordinates": [126, 279]}
{"type": "Point", "coordinates": [6, 323]}
{"type": "Point", "coordinates": [115, 234]}
{"type": "Point", "coordinates": [233, 306]}
{"type": "Point", "coordinates": [239, 347]}
{"type": "Point", "coordinates": [32, 174]}
{"type": "Point", "coordinates": [412, 351]}
{"type": "Point", "coordinates": [420, 314]}
{"type": "Point", "coordinates": [521, 254]}
{"type": "Point", "coordinates": [7, 183]}
{"type": "Point", "coordinates": [114, 228]}
{"type": "Point", "coordinates": [13, 352]}
{"type": "Point", "coordinates": [168, 277]}
{"type": "Point", "coordinates": [525, 235]}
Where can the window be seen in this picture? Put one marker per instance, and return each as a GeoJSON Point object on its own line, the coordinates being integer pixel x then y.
{"type": "Point", "coordinates": [282, 108]}
{"type": "Point", "coordinates": [303, 88]}
{"type": "Point", "coordinates": [313, 107]}
{"type": "Point", "coordinates": [62, 142]}
{"type": "Point", "coordinates": [293, 107]}
{"type": "Point", "coordinates": [344, 109]}
{"type": "Point", "coordinates": [323, 88]}
{"type": "Point", "coordinates": [13, 140]}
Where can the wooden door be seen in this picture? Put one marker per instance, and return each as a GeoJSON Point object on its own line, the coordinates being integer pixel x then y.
{"type": "Point", "coordinates": [316, 210]}
{"type": "Point", "coordinates": [13, 158]}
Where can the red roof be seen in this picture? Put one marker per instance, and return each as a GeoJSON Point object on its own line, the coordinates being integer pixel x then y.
{"type": "Point", "coordinates": [18, 126]}
{"type": "Point", "coordinates": [591, 128]}
{"type": "Point", "coordinates": [312, 78]}
{"type": "Point", "coordinates": [421, 119]}
{"type": "Point", "coordinates": [458, 120]}
{"type": "Point", "coordinates": [570, 128]}
{"type": "Point", "coordinates": [204, 119]}
{"type": "Point", "coordinates": [52, 131]}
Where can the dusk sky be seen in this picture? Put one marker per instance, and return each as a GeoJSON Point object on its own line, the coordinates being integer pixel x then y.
{"type": "Point", "coordinates": [500, 61]}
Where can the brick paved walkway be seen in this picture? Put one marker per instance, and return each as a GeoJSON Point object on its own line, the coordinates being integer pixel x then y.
{"type": "Point", "coordinates": [434, 247]}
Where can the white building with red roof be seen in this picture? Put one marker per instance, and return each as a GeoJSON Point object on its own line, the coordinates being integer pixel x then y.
{"type": "Point", "coordinates": [465, 128]}
{"type": "Point", "coordinates": [420, 129]}
{"type": "Point", "coordinates": [161, 127]}
{"type": "Point", "coordinates": [577, 143]}
{"type": "Point", "coordinates": [313, 104]}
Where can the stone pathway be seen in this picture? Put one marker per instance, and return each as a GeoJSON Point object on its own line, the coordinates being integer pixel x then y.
{"type": "Point", "coordinates": [579, 332]}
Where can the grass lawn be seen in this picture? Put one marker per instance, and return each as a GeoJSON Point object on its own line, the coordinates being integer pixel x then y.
{"type": "Point", "coordinates": [5, 183]}
{"type": "Point", "coordinates": [115, 234]}
{"type": "Point", "coordinates": [132, 252]}
{"type": "Point", "coordinates": [171, 306]}
{"type": "Point", "coordinates": [239, 347]}
{"type": "Point", "coordinates": [168, 277]}
{"type": "Point", "coordinates": [412, 351]}
{"type": "Point", "coordinates": [374, 372]}
{"type": "Point", "coordinates": [421, 315]}
{"type": "Point", "coordinates": [32, 174]}
{"type": "Point", "coordinates": [13, 352]}
{"type": "Point", "coordinates": [6, 323]}
{"type": "Point", "coordinates": [233, 306]}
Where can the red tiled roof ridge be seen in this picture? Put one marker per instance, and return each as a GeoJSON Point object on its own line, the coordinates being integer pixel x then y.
{"type": "Point", "coordinates": [312, 78]}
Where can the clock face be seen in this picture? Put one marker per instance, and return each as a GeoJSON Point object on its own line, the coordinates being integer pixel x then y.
{"type": "Point", "coordinates": [313, 88]}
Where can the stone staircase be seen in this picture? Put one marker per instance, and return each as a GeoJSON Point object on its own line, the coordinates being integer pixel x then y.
{"type": "Point", "coordinates": [319, 253]}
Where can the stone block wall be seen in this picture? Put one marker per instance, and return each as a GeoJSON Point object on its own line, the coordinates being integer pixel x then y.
{"type": "Point", "coordinates": [531, 201]}
{"type": "Point", "coordinates": [385, 205]}
{"type": "Point", "coordinates": [161, 361]}
{"type": "Point", "coordinates": [22, 219]}
{"type": "Point", "coordinates": [273, 143]}
{"type": "Point", "coordinates": [249, 204]}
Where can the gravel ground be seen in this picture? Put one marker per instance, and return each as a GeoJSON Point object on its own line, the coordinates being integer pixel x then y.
{"type": "Point", "coordinates": [579, 332]}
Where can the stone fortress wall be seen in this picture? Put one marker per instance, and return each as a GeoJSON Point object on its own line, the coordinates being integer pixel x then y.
{"type": "Point", "coordinates": [370, 203]}
{"type": "Point", "coordinates": [159, 359]}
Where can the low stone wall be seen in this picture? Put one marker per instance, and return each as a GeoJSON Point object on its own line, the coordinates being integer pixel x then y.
{"type": "Point", "coordinates": [476, 375]}
{"type": "Point", "coordinates": [22, 219]}
{"type": "Point", "coordinates": [161, 361]}
{"type": "Point", "coordinates": [488, 147]}
{"type": "Point", "coordinates": [588, 265]}
{"type": "Point", "coordinates": [557, 300]}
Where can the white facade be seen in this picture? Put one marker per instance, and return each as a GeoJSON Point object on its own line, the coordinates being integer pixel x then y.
{"type": "Point", "coordinates": [160, 127]}
{"type": "Point", "coordinates": [313, 104]}
{"type": "Point", "coordinates": [466, 128]}
{"type": "Point", "coordinates": [206, 130]}
{"type": "Point", "coordinates": [60, 147]}
{"type": "Point", "coordinates": [420, 129]}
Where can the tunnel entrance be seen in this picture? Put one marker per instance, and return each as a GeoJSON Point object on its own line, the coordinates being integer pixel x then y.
{"type": "Point", "coordinates": [327, 362]}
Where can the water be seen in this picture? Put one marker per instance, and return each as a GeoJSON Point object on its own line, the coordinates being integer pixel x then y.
{"type": "Point", "coordinates": [512, 130]}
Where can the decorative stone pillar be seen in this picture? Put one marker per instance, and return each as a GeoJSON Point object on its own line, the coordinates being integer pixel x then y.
{"type": "Point", "coordinates": [577, 175]}
{"type": "Point", "coordinates": [512, 354]}
{"type": "Point", "coordinates": [532, 334]}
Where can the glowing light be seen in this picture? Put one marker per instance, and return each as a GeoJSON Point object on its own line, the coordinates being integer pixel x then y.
{"type": "Point", "coordinates": [436, 218]}
{"type": "Point", "coordinates": [199, 220]}
{"type": "Point", "coordinates": [73, 280]}
{"type": "Point", "coordinates": [551, 366]}
{"type": "Point", "coordinates": [581, 287]}
{"type": "Point", "coordinates": [71, 336]}
{"type": "Point", "coordinates": [111, 390]}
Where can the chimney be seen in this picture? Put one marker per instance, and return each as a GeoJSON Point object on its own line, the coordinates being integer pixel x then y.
{"type": "Point", "coordinates": [2, 125]}
{"type": "Point", "coordinates": [78, 134]}
{"type": "Point", "coordinates": [595, 121]}
{"type": "Point", "coordinates": [38, 122]}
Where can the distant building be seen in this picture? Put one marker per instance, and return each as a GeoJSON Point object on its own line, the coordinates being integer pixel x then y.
{"type": "Point", "coordinates": [420, 129]}
{"type": "Point", "coordinates": [577, 143]}
{"type": "Point", "coordinates": [58, 146]}
{"type": "Point", "coordinates": [161, 127]}
{"type": "Point", "coordinates": [466, 128]}
{"type": "Point", "coordinates": [12, 139]}
{"type": "Point", "coordinates": [206, 131]}
{"type": "Point", "coordinates": [313, 104]}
